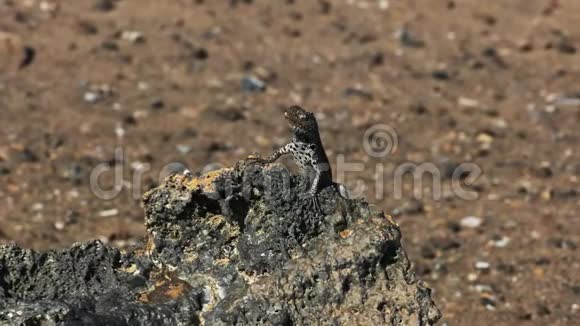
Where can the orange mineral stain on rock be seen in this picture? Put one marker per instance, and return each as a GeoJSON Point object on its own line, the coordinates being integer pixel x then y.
{"type": "Point", "coordinates": [345, 233]}
{"type": "Point", "coordinates": [175, 291]}
{"type": "Point", "coordinates": [205, 182]}
{"type": "Point", "coordinates": [167, 288]}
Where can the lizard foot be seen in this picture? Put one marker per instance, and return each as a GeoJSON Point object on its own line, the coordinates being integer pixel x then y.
{"type": "Point", "coordinates": [255, 158]}
{"type": "Point", "coordinates": [314, 202]}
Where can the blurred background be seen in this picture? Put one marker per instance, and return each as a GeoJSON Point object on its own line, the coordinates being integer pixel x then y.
{"type": "Point", "coordinates": [129, 86]}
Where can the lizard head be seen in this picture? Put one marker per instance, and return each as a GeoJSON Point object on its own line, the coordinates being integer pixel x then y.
{"type": "Point", "coordinates": [300, 121]}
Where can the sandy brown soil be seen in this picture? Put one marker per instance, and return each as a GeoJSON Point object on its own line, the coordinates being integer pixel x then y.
{"type": "Point", "coordinates": [494, 83]}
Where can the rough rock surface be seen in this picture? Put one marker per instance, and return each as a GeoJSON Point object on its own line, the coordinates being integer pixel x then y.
{"type": "Point", "coordinates": [237, 246]}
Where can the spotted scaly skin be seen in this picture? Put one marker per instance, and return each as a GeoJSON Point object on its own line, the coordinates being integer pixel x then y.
{"type": "Point", "coordinates": [306, 150]}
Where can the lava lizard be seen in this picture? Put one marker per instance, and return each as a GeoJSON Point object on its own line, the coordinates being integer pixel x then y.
{"type": "Point", "coordinates": [306, 149]}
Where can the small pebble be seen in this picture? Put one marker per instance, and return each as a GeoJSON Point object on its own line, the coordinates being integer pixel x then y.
{"type": "Point", "coordinates": [91, 97]}
{"type": "Point", "coordinates": [104, 5]}
{"type": "Point", "coordinates": [471, 222]}
{"type": "Point", "coordinates": [482, 265]}
{"type": "Point", "coordinates": [499, 123]}
{"type": "Point", "coordinates": [502, 242]}
{"type": "Point", "coordinates": [484, 138]}
{"type": "Point", "coordinates": [253, 84]}
{"type": "Point", "coordinates": [183, 149]}
{"type": "Point", "coordinates": [26, 155]}
{"type": "Point", "coordinates": [377, 59]}
{"type": "Point", "coordinates": [87, 28]}
{"type": "Point", "coordinates": [200, 54]}
{"type": "Point", "coordinates": [481, 288]}
{"type": "Point", "coordinates": [109, 212]}
{"type": "Point", "coordinates": [488, 303]}
{"type": "Point", "coordinates": [468, 102]}
{"type": "Point", "coordinates": [119, 130]}
{"type": "Point", "coordinates": [440, 75]}
{"type": "Point", "coordinates": [358, 92]}
{"type": "Point", "coordinates": [133, 36]}
{"type": "Point", "coordinates": [565, 46]}
{"type": "Point", "coordinates": [408, 39]}
{"type": "Point", "coordinates": [59, 225]}
{"type": "Point", "coordinates": [48, 6]}
{"type": "Point", "coordinates": [170, 169]}
{"type": "Point", "coordinates": [142, 86]}
{"type": "Point", "coordinates": [384, 4]}
{"type": "Point", "coordinates": [157, 104]}
{"type": "Point", "coordinates": [110, 45]}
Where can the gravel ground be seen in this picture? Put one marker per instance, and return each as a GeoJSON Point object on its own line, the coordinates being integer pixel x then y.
{"type": "Point", "coordinates": [130, 86]}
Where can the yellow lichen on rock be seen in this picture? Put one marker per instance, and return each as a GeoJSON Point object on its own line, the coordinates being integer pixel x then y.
{"type": "Point", "coordinates": [204, 182]}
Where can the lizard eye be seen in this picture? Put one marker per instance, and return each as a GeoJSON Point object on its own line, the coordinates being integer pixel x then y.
{"type": "Point", "coordinates": [302, 116]}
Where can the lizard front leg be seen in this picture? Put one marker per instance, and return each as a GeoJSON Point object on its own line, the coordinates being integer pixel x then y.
{"type": "Point", "coordinates": [282, 151]}
{"type": "Point", "coordinates": [314, 187]}
{"type": "Point", "coordinates": [272, 158]}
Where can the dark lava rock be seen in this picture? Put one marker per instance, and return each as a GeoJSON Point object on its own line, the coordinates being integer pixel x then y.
{"type": "Point", "coordinates": [440, 74]}
{"type": "Point", "coordinates": [158, 104]}
{"type": "Point", "coordinates": [409, 40]}
{"type": "Point", "coordinates": [200, 54]}
{"type": "Point", "coordinates": [224, 112]}
{"type": "Point", "coordinates": [356, 92]}
{"type": "Point", "coordinates": [377, 59]}
{"type": "Point", "coordinates": [104, 5]}
{"type": "Point", "coordinates": [236, 246]}
{"type": "Point", "coordinates": [110, 46]}
{"type": "Point", "coordinates": [26, 155]}
{"type": "Point", "coordinates": [87, 28]}
{"type": "Point", "coordinates": [29, 56]}
{"type": "Point", "coordinates": [4, 170]}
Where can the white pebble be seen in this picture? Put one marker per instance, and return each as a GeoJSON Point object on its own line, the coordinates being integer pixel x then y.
{"type": "Point", "coordinates": [109, 212]}
{"type": "Point", "coordinates": [37, 207]}
{"type": "Point", "coordinates": [503, 242]}
{"type": "Point", "coordinates": [91, 97]}
{"type": "Point", "coordinates": [483, 288]}
{"type": "Point", "coordinates": [471, 222]}
{"type": "Point", "coordinates": [59, 225]}
{"type": "Point", "coordinates": [482, 265]}
{"type": "Point", "coordinates": [48, 6]}
{"type": "Point", "coordinates": [383, 4]}
{"type": "Point", "coordinates": [133, 36]}
{"type": "Point", "coordinates": [471, 277]}
{"type": "Point", "coordinates": [183, 149]}
{"type": "Point", "coordinates": [139, 166]}
{"type": "Point", "coordinates": [142, 86]}
{"type": "Point", "coordinates": [467, 102]}
{"type": "Point", "coordinates": [119, 130]}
